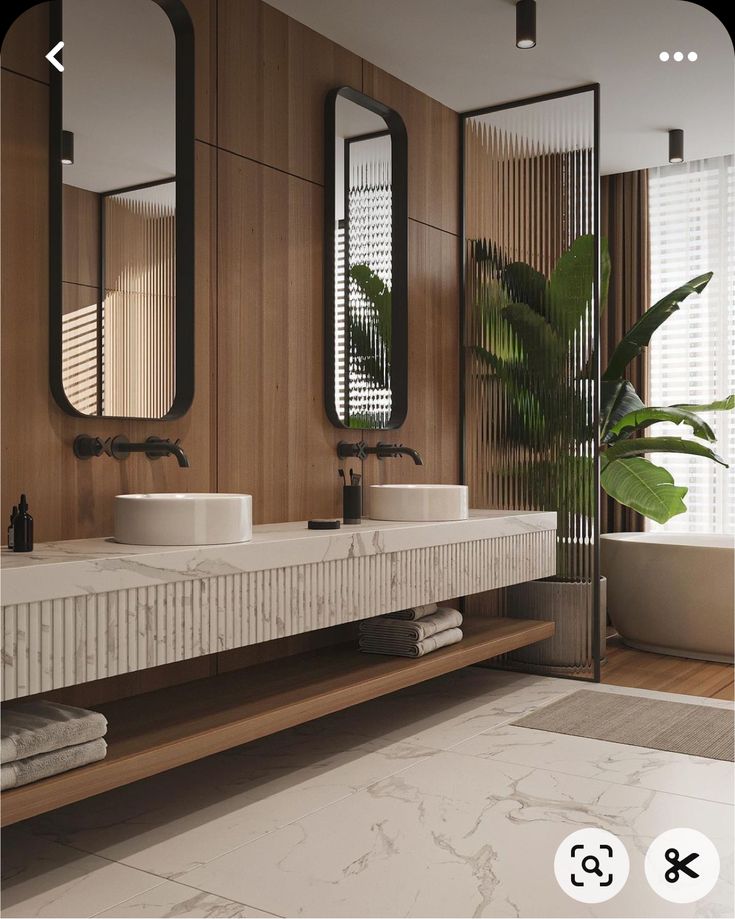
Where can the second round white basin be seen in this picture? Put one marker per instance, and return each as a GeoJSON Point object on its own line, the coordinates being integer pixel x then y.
{"type": "Point", "coordinates": [418, 502]}
{"type": "Point", "coordinates": [181, 519]}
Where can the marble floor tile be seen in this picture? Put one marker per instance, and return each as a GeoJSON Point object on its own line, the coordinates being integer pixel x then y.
{"type": "Point", "coordinates": [659, 770]}
{"type": "Point", "coordinates": [176, 901]}
{"type": "Point", "coordinates": [43, 878]}
{"type": "Point", "coordinates": [173, 822]}
{"type": "Point", "coordinates": [457, 835]}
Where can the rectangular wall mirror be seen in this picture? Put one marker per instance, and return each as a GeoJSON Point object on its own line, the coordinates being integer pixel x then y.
{"type": "Point", "coordinates": [366, 263]}
{"type": "Point", "coordinates": [122, 209]}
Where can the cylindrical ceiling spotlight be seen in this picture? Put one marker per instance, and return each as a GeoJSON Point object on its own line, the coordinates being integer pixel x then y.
{"type": "Point", "coordinates": [676, 146]}
{"type": "Point", "coordinates": [67, 148]}
{"type": "Point", "coordinates": [526, 24]}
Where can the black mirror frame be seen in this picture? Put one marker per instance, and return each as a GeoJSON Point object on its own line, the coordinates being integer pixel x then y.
{"type": "Point", "coordinates": [184, 372]}
{"type": "Point", "coordinates": [399, 337]}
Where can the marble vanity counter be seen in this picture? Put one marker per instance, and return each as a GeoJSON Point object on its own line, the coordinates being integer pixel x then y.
{"type": "Point", "coordinates": [89, 566]}
{"type": "Point", "coordinates": [92, 608]}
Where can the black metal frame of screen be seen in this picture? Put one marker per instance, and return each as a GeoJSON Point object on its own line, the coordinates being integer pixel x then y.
{"type": "Point", "coordinates": [399, 332]}
{"type": "Point", "coordinates": [594, 88]}
{"type": "Point", "coordinates": [184, 369]}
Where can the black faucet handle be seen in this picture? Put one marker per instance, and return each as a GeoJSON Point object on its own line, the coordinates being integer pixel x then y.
{"type": "Point", "coordinates": [346, 449]}
{"type": "Point", "coordinates": [86, 446]}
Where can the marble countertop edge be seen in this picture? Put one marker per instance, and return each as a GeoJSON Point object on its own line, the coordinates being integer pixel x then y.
{"type": "Point", "coordinates": [88, 566]}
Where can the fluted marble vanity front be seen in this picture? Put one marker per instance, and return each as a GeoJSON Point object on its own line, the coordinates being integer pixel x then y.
{"type": "Point", "coordinates": [87, 609]}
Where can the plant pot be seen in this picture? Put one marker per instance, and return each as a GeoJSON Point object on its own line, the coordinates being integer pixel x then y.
{"type": "Point", "coordinates": [567, 605]}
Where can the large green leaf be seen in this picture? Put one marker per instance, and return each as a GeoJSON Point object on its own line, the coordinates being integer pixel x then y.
{"type": "Point", "coordinates": [638, 445]}
{"type": "Point", "coordinates": [648, 415]}
{"type": "Point", "coordinates": [379, 296]}
{"type": "Point", "coordinates": [524, 284]}
{"type": "Point", "coordinates": [572, 285]}
{"type": "Point", "coordinates": [648, 489]}
{"type": "Point", "coordinates": [544, 351]}
{"type": "Point", "coordinates": [721, 405]}
{"type": "Point", "coordinates": [617, 399]}
{"type": "Point", "coordinates": [640, 335]}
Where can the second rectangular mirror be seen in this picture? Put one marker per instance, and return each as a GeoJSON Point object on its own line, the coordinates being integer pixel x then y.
{"type": "Point", "coordinates": [366, 270]}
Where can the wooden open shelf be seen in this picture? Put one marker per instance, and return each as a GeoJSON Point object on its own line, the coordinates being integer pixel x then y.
{"type": "Point", "coordinates": [159, 730]}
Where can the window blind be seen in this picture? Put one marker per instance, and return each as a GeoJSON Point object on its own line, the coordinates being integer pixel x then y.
{"type": "Point", "coordinates": [692, 355]}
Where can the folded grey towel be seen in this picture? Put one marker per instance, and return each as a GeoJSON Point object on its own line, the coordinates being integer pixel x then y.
{"type": "Point", "coordinates": [382, 627]}
{"type": "Point", "coordinates": [416, 612]}
{"type": "Point", "coordinates": [405, 648]}
{"type": "Point", "coordinates": [23, 771]}
{"type": "Point", "coordinates": [30, 728]}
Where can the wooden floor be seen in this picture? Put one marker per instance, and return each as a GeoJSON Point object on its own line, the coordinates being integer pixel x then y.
{"type": "Point", "coordinates": [643, 670]}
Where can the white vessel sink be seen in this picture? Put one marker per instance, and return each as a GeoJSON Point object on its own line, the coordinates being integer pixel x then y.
{"type": "Point", "coordinates": [183, 519]}
{"type": "Point", "coordinates": [418, 502]}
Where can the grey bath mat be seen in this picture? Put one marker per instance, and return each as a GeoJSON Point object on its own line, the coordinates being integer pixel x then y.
{"type": "Point", "coordinates": [698, 730]}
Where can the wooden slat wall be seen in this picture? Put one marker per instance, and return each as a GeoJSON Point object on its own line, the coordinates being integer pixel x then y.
{"type": "Point", "coordinates": [258, 422]}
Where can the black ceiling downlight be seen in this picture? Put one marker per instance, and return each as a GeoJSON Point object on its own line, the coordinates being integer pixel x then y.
{"type": "Point", "coordinates": [67, 148]}
{"type": "Point", "coordinates": [676, 145]}
{"type": "Point", "coordinates": [526, 24]}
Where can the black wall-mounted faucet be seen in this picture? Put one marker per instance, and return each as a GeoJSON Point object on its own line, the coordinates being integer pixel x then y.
{"type": "Point", "coordinates": [361, 450]}
{"type": "Point", "coordinates": [120, 448]}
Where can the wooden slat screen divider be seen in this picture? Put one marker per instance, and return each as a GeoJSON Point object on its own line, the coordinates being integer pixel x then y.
{"type": "Point", "coordinates": [530, 192]}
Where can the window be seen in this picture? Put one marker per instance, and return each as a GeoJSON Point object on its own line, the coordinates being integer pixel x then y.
{"type": "Point", "coordinates": [692, 356]}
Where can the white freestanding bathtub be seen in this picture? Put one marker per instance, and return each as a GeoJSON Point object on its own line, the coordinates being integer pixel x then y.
{"type": "Point", "coordinates": [672, 592]}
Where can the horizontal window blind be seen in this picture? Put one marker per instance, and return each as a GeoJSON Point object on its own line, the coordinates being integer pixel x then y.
{"type": "Point", "coordinates": [692, 356]}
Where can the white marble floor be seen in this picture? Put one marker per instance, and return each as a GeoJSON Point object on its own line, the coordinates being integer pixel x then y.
{"type": "Point", "coordinates": [428, 802]}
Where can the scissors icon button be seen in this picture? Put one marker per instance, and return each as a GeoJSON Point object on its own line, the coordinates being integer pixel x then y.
{"type": "Point", "coordinates": [678, 865]}
{"type": "Point", "coordinates": [682, 866]}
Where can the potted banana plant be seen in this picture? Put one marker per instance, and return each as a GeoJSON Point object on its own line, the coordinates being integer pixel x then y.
{"type": "Point", "coordinates": [532, 329]}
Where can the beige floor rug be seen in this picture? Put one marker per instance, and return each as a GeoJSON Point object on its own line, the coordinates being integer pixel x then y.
{"type": "Point", "coordinates": [680, 727]}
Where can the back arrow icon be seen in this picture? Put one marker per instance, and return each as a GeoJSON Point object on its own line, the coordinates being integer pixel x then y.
{"type": "Point", "coordinates": [50, 57]}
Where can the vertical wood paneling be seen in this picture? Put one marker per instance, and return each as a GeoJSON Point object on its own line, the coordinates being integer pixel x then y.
{"type": "Point", "coordinates": [273, 76]}
{"type": "Point", "coordinates": [80, 209]}
{"type": "Point", "coordinates": [432, 422]}
{"type": "Point", "coordinates": [275, 440]}
{"type": "Point", "coordinates": [25, 37]}
{"type": "Point", "coordinates": [433, 148]}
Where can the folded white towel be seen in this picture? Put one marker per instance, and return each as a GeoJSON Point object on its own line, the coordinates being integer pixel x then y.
{"type": "Point", "coordinates": [30, 728]}
{"type": "Point", "coordinates": [404, 648]}
{"type": "Point", "coordinates": [382, 626]}
{"type": "Point", "coordinates": [33, 768]}
{"type": "Point", "coordinates": [415, 612]}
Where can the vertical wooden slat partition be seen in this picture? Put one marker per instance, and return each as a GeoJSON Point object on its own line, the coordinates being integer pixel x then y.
{"type": "Point", "coordinates": [138, 307]}
{"type": "Point", "coordinates": [530, 317]}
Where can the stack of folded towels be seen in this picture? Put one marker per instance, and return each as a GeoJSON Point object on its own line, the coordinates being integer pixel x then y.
{"type": "Point", "coordinates": [39, 739]}
{"type": "Point", "coordinates": [411, 632]}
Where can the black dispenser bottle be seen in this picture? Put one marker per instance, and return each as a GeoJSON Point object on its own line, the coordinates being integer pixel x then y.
{"type": "Point", "coordinates": [23, 528]}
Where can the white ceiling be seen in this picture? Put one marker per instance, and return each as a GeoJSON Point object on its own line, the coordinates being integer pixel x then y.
{"type": "Point", "coordinates": [462, 52]}
{"type": "Point", "coordinates": [119, 93]}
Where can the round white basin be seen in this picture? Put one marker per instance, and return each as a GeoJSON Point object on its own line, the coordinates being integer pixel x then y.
{"type": "Point", "coordinates": [183, 519]}
{"type": "Point", "coordinates": [418, 502]}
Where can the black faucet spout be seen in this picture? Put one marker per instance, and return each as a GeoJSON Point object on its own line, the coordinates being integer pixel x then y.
{"type": "Point", "coordinates": [361, 450]}
{"type": "Point", "coordinates": [120, 448]}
